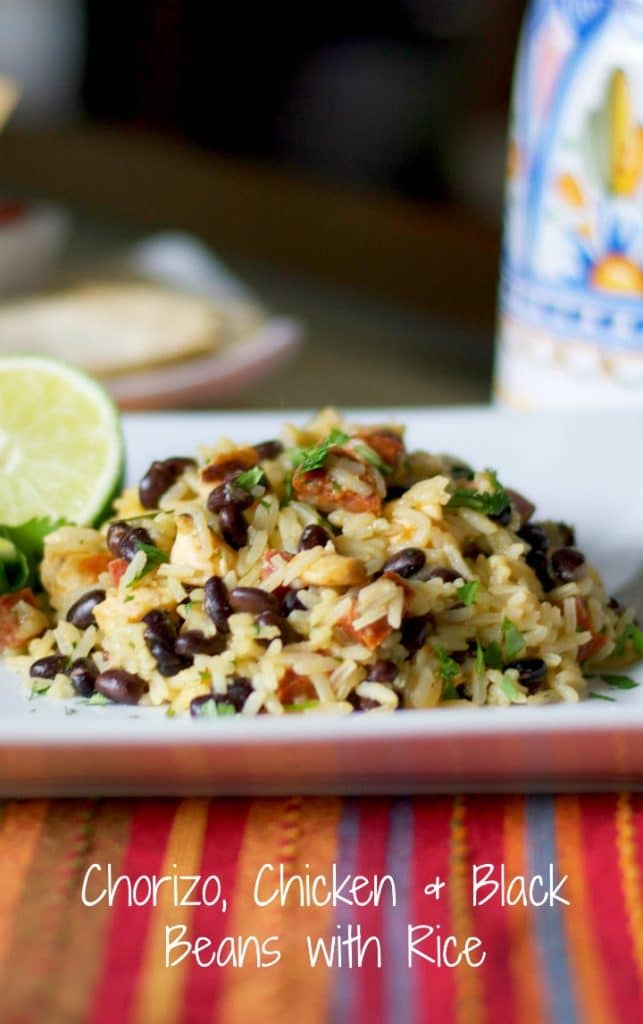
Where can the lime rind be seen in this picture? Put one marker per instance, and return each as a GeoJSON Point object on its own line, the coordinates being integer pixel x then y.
{"type": "Point", "coordinates": [61, 443]}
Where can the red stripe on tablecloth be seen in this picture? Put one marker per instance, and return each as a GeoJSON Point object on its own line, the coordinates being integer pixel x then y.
{"type": "Point", "coordinates": [371, 860]}
{"type": "Point", "coordinates": [608, 902]}
{"type": "Point", "coordinates": [434, 989]}
{"type": "Point", "coordinates": [486, 845]}
{"type": "Point", "coordinates": [125, 944]}
{"type": "Point", "coordinates": [226, 826]}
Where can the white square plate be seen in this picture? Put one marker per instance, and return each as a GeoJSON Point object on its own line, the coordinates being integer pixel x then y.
{"type": "Point", "coordinates": [583, 468]}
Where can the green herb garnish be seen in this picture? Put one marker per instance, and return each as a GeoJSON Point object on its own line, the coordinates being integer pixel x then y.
{"type": "Point", "coordinates": [449, 669]}
{"type": "Point", "coordinates": [287, 495]}
{"type": "Point", "coordinates": [480, 659]}
{"type": "Point", "coordinates": [634, 635]}
{"type": "Point", "coordinates": [616, 682]}
{"type": "Point", "coordinates": [599, 696]}
{"type": "Point", "coordinates": [212, 709]}
{"type": "Point", "coordinates": [490, 503]}
{"type": "Point", "coordinates": [510, 689]}
{"type": "Point", "coordinates": [308, 459]}
{"type": "Point", "coordinates": [469, 592]}
{"type": "Point", "coordinates": [305, 705]}
{"type": "Point", "coordinates": [21, 550]}
{"type": "Point", "coordinates": [170, 713]}
{"type": "Point", "coordinates": [97, 699]}
{"type": "Point", "coordinates": [251, 478]}
{"type": "Point", "coordinates": [493, 655]}
{"type": "Point", "coordinates": [153, 558]}
{"type": "Point", "coordinates": [39, 687]}
{"type": "Point", "coordinates": [371, 456]}
{"type": "Point", "coordinates": [513, 641]}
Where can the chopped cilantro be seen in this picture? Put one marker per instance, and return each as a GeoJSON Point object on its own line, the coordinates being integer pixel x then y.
{"type": "Point", "coordinates": [305, 705]}
{"type": "Point", "coordinates": [287, 496]}
{"type": "Point", "coordinates": [449, 669]}
{"type": "Point", "coordinates": [510, 689]}
{"type": "Point", "coordinates": [97, 699]}
{"type": "Point", "coordinates": [493, 655]}
{"type": "Point", "coordinates": [480, 660]}
{"type": "Point", "coordinates": [154, 557]}
{"type": "Point", "coordinates": [616, 682]}
{"type": "Point", "coordinates": [212, 709]}
{"type": "Point", "coordinates": [632, 634]}
{"type": "Point", "coordinates": [491, 503]}
{"type": "Point", "coordinates": [21, 550]}
{"type": "Point", "coordinates": [468, 592]}
{"type": "Point", "coordinates": [367, 453]}
{"type": "Point", "coordinates": [204, 676]}
{"type": "Point", "coordinates": [40, 686]}
{"type": "Point", "coordinates": [513, 641]}
{"type": "Point", "coordinates": [264, 503]}
{"type": "Point", "coordinates": [251, 478]}
{"type": "Point", "coordinates": [308, 459]}
{"type": "Point", "coordinates": [170, 713]}
{"type": "Point", "coordinates": [599, 696]}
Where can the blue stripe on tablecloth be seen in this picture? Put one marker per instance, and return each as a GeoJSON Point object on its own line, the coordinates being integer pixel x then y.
{"type": "Point", "coordinates": [399, 854]}
{"type": "Point", "coordinates": [343, 987]}
{"type": "Point", "coordinates": [548, 921]}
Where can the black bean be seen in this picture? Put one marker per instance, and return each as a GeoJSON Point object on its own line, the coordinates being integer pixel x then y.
{"type": "Point", "coordinates": [193, 641]}
{"type": "Point", "coordinates": [616, 605]}
{"type": "Point", "coordinates": [415, 631]}
{"type": "Point", "coordinates": [239, 689]}
{"type": "Point", "coordinates": [568, 534]}
{"type": "Point", "coordinates": [224, 469]}
{"type": "Point", "coordinates": [531, 672]}
{"type": "Point", "coordinates": [49, 667]}
{"type": "Point", "coordinates": [503, 518]}
{"type": "Point", "coordinates": [160, 638]}
{"type": "Point", "coordinates": [159, 478]}
{"type": "Point", "coordinates": [362, 703]}
{"type": "Point", "coordinates": [313, 536]}
{"type": "Point", "coordinates": [534, 535]}
{"type": "Point", "coordinates": [229, 493]}
{"type": "Point", "coordinates": [233, 526]}
{"type": "Point", "coordinates": [130, 544]}
{"type": "Point", "coordinates": [382, 672]}
{"type": "Point", "coordinates": [115, 537]}
{"type": "Point", "coordinates": [395, 491]}
{"type": "Point", "coordinates": [197, 704]}
{"type": "Point", "coordinates": [522, 505]}
{"type": "Point", "coordinates": [82, 675]}
{"type": "Point", "coordinates": [273, 618]}
{"type": "Point", "coordinates": [120, 686]}
{"type": "Point", "coordinates": [253, 600]}
{"type": "Point", "coordinates": [216, 604]}
{"type": "Point", "coordinates": [406, 562]}
{"type": "Point", "coordinates": [568, 564]}
{"type": "Point", "coordinates": [291, 603]}
{"type": "Point", "coordinates": [441, 573]}
{"type": "Point", "coordinates": [269, 449]}
{"type": "Point", "coordinates": [81, 613]}
{"type": "Point", "coordinates": [538, 561]}
{"type": "Point", "coordinates": [159, 627]}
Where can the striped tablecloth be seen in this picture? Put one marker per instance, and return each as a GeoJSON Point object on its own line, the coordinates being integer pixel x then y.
{"type": "Point", "coordinates": [63, 962]}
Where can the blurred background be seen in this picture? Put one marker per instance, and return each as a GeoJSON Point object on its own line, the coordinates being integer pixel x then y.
{"type": "Point", "coordinates": [345, 162]}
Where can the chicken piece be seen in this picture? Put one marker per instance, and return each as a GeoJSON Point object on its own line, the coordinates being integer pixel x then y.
{"type": "Point", "coordinates": [74, 559]}
{"type": "Point", "coordinates": [119, 609]}
{"type": "Point", "coordinates": [331, 570]}
{"type": "Point", "coordinates": [200, 550]}
{"type": "Point", "coordinates": [20, 620]}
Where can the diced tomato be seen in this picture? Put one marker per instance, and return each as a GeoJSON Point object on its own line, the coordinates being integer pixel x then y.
{"type": "Point", "coordinates": [116, 567]}
{"type": "Point", "coordinates": [270, 563]}
{"type": "Point", "coordinates": [294, 687]}
{"type": "Point", "coordinates": [9, 619]}
{"type": "Point", "coordinates": [371, 636]}
{"type": "Point", "coordinates": [388, 445]}
{"type": "Point", "coordinates": [592, 647]}
{"type": "Point", "coordinates": [94, 564]}
{"type": "Point", "coordinates": [319, 489]}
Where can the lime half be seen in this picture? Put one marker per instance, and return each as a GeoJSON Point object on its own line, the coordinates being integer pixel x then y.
{"type": "Point", "coordinates": [61, 444]}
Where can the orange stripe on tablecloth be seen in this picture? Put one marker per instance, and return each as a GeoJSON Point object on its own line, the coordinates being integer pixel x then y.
{"type": "Point", "coordinates": [159, 991]}
{"type": "Point", "coordinates": [523, 953]}
{"type": "Point", "coordinates": [585, 961]}
{"type": "Point", "coordinates": [630, 876]}
{"type": "Point", "coordinates": [293, 832]}
{"type": "Point", "coordinates": [39, 927]}
{"type": "Point", "coordinates": [469, 1008]}
{"type": "Point", "coordinates": [81, 954]}
{"type": "Point", "coordinates": [19, 835]}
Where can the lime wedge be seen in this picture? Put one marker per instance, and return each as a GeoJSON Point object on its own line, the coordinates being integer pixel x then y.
{"type": "Point", "coordinates": [61, 444]}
